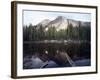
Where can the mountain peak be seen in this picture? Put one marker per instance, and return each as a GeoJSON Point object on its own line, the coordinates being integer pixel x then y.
{"type": "Point", "coordinates": [59, 23]}
{"type": "Point", "coordinates": [60, 18]}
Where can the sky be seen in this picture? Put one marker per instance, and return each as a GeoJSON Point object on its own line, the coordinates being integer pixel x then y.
{"type": "Point", "coordinates": [35, 17]}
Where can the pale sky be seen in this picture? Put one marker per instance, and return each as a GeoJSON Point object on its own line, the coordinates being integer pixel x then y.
{"type": "Point", "coordinates": [34, 17]}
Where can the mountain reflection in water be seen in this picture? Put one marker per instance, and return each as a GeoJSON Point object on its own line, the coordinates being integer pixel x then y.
{"type": "Point", "coordinates": [47, 54]}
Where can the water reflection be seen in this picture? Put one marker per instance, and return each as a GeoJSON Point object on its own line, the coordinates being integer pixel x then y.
{"type": "Point", "coordinates": [53, 54]}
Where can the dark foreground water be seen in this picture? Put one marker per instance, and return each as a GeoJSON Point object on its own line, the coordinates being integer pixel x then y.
{"type": "Point", "coordinates": [31, 62]}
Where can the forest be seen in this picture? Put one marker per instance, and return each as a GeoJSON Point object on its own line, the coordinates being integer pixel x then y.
{"type": "Point", "coordinates": [31, 33]}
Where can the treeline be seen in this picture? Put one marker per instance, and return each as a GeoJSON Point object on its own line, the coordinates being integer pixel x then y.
{"type": "Point", "coordinates": [32, 33]}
